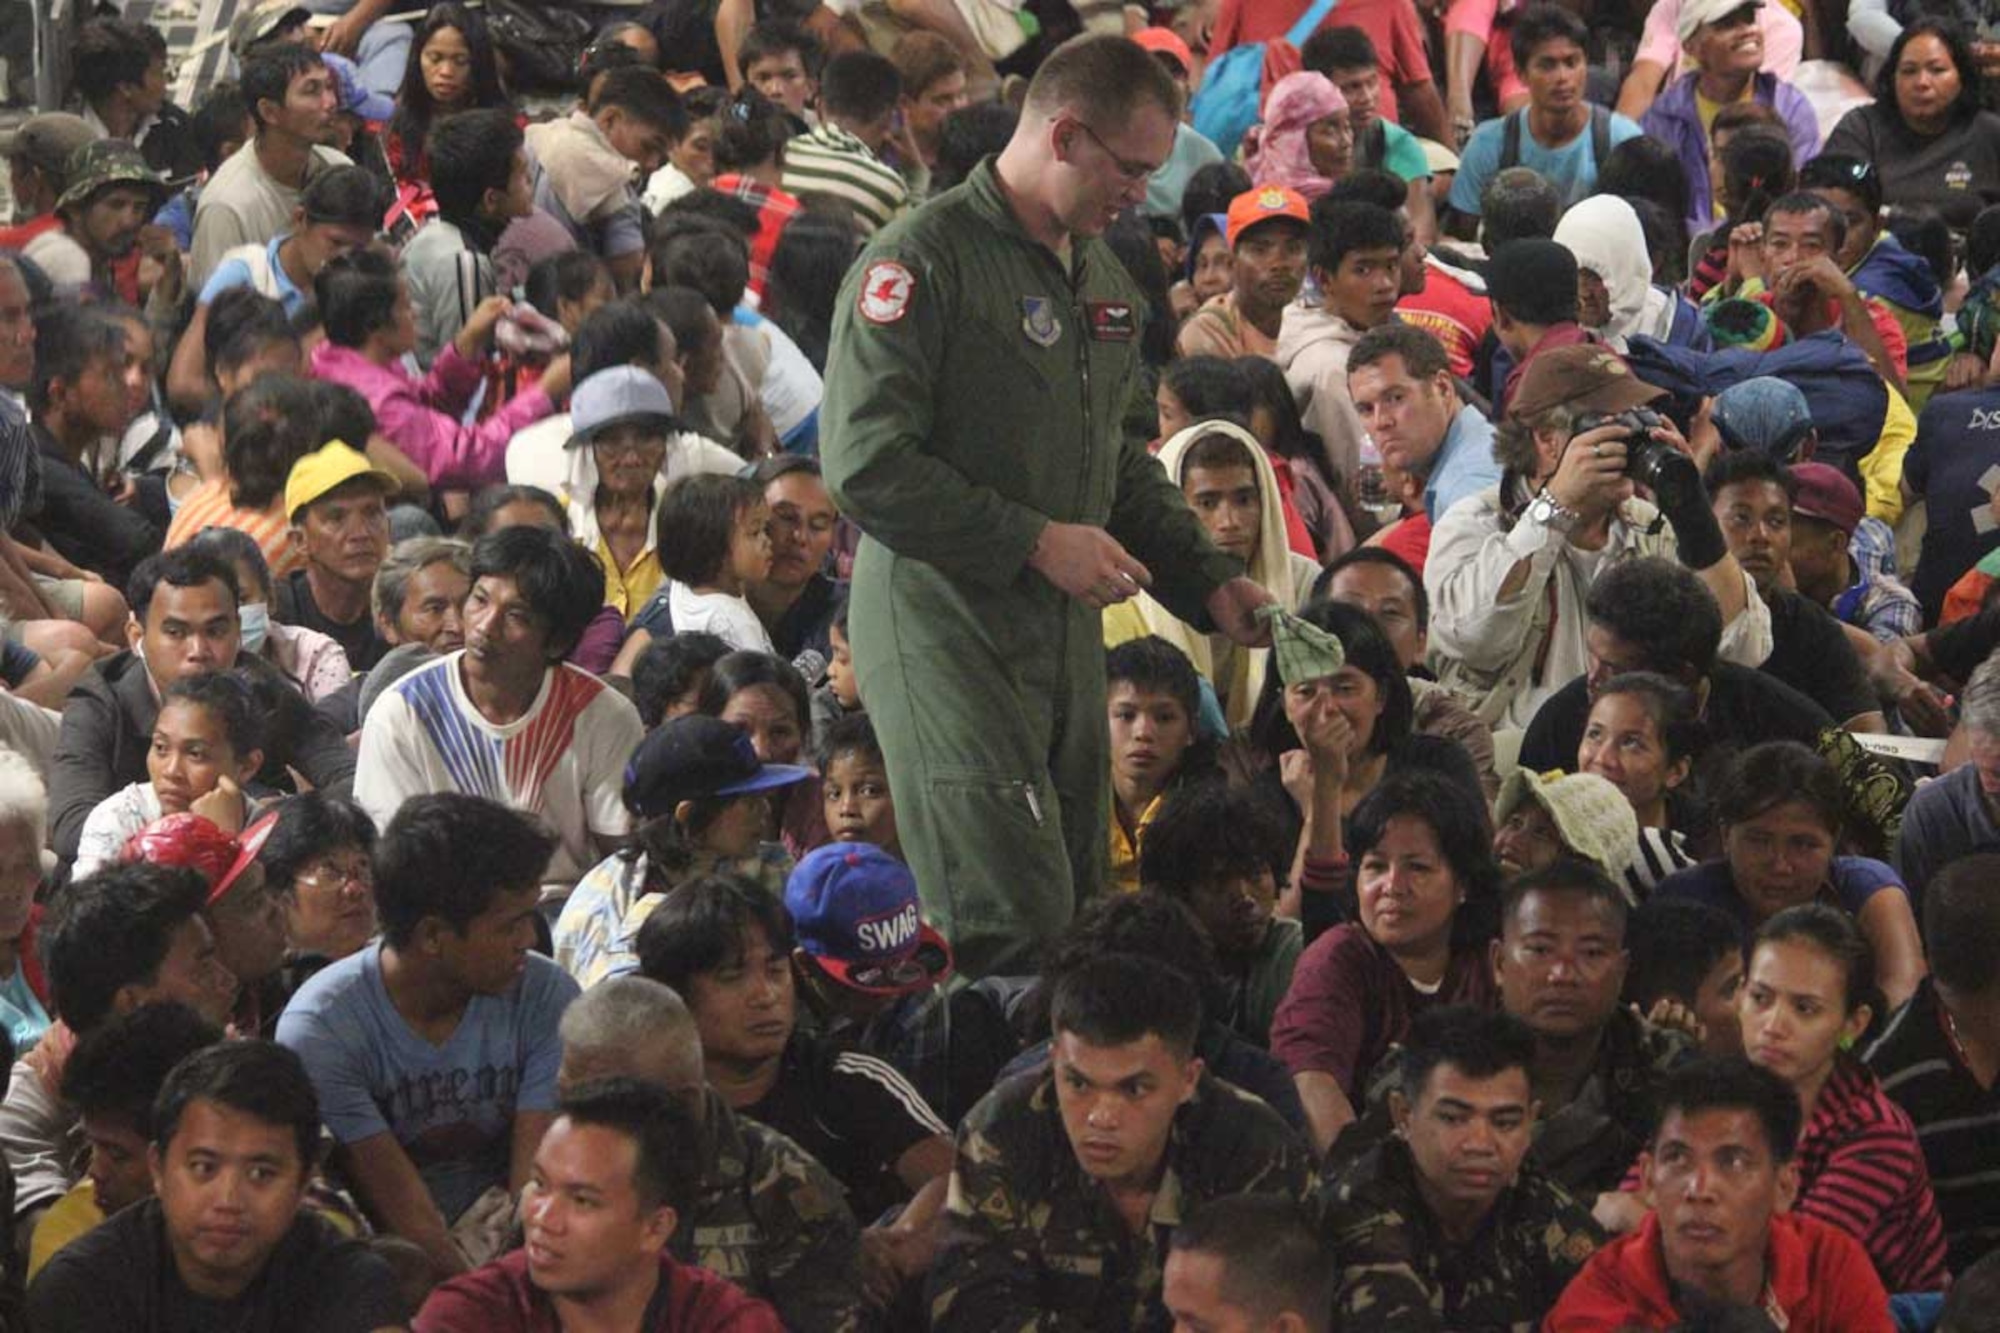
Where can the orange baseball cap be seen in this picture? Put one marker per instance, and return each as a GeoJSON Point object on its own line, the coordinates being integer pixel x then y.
{"type": "Point", "coordinates": [1165, 41]}
{"type": "Point", "coordinates": [1263, 204]}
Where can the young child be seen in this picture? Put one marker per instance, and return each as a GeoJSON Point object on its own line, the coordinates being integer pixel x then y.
{"type": "Point", "coordinates": [714, 540]}
{"type": "Point", "coordinates": [1687, 956]}
{"type": "Point", "coordinates": [840, 696]}
{"type": "Point", "coordinates": [854, 783]}
{"type": "Point", "coordinates": [207, 742]}
{"type": "Point", "coordinates": [670, 676]}
{"type": "Point", "coordinates": [1153, 697]}
{"type": "Point", "coordinates": [698, 789]}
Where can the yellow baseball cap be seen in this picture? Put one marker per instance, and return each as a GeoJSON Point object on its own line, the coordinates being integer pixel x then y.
{"type": "Point", "coordinates": [333, 464]}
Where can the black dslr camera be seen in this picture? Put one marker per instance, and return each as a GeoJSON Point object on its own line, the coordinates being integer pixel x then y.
{"type": "Point", "coordinates": [1662, 469]}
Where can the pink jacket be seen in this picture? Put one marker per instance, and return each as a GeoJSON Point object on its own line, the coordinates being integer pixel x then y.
{"type": "Point", "coordinates": [423, 417]}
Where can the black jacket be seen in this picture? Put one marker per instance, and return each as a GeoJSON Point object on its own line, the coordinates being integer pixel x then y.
{"type": "Point", "coordinates": [107, 725]}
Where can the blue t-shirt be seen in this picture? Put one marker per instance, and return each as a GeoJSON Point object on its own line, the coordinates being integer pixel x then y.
{"type": "Point", "coordinates": [451, 1107]}
{"type": "Point", "coordinates": [1853, 879]}
{"type": "Point", "coordinates": [1572, 168]}
{"type": "Point", "coordinates": [21, 1011]}
{"type": "Point", "coordinates": [235, 273]}
{"type": "Point", "coordinates": [1464, 465]}
{"type": "Point", "coordinates": [1958, 441]}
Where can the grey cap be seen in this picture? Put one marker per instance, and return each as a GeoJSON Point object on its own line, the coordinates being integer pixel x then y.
{"type": "Point", "coordinates": [259, 21]}
{"type": "Point", "coordinates": [1767, 414]}
{"type": "Point", "coordinates": [615, 396]}
{"type": "Point", "coordinates": [48, 141]}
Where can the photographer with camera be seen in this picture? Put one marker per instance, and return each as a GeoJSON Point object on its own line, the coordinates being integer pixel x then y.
{"type": "Point", "coordinates": [1510, 568]}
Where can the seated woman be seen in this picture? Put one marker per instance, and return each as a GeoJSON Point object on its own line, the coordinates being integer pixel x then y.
{"type": "Point", "coordinates": [767, 697]}
{"type": "Point", "coordinates": [1233, 490]}
{"type": "Point", "coordinates": [1925, 131]}
{"type": "Point", "coordinates": [1542, 817]}
{"type": "Point", "coordinates": [319, 862]}
{"type": "Point", "coordinates": [1780, 815]}
{"type": "Point", "coordinates": [267, 425]}
{"type": "Point", "coordinates": [371, 327]}
{"type": "Point", "coordinates": [453, 67]}
{"type": "Point", "coordinates": [1428, 892]}
{"type": "Point", "coordinates": [207, 743]}
{"type": "Point", "coordinates": [620, 419]}
{"type": "Point", "coordinates": [1306, 142]}
{"type": "Point", "coordinates": [24, 812]}
{"type": "Point", "coordinates": [1644, 736]}
{"type": "Point", "coordinates": [313, 662]}
{"type": "Point", "coordinates": [1317, 747]}
{"type": "Point", "coordinates": [1314, 484]}
{"type": "Point", "coordinates": [1153, 697]}
{"type": "Point", "coordinates": [1806, 998]}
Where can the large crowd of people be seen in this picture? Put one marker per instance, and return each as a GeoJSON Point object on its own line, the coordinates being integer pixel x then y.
{"type": "Point", "coordinates": [762, 666]}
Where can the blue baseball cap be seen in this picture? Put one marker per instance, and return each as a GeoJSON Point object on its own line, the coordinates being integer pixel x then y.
{"type": "Point", "coordinates": [1765, 413]}
{"type": "Point", "coordinates": [695, 758]}
{"type": "Point", "coordinates": [357, 97]}
{"type": "Point", "coordinates": [855, 912]}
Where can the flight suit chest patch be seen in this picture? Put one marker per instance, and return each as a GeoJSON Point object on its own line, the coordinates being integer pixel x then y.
{"type": "Point", "coordinates": [1112, 321]}
{"type": "Point", "coordinates": [1039, 322]}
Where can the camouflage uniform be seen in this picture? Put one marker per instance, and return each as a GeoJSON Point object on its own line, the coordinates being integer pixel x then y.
{"type": "Point", "coordinates": [1398, 1274]}
{"type": "Point", "coordinates": [1031, 1242]}
{"type": "Point", "coordinates": [771, 1220]}
{"type": "Point", "coordinates": [1588, 1144]}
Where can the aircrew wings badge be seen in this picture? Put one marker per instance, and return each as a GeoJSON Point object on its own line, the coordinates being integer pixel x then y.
{"type": "Point", "coordinates": [886, 289]}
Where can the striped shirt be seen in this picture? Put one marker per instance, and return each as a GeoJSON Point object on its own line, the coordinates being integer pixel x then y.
{"type": "Point", "coordinates": [1860, 1168]}
{"type": "Point", "coordinates": [1660, 853]}
{"type": "Point", "coordinates": [831, 162]}
{"type": "Point", "coordinates": [1957, 1120]}
{"type": "Point", "coordinates": [208, 506]}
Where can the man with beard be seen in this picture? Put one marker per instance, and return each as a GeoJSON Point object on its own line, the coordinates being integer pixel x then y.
{"type": "Point", "coordinates": [104, 211]}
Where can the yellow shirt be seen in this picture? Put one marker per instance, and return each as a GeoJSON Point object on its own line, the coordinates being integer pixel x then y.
{"type": "Point", "coordinates": [630, 588]}
{"type": "Point", "coordinates": [1124, 850]}
{"type": "Point", "coordinates": [1707, 109]}
{"type": "Point", "coordinates": [74, 1214]}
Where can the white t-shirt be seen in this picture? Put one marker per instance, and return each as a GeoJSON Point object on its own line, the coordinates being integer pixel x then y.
{"type": "Point", "coordinates": [564, 759]}
{"type": "Point", "coordinates": [727, 618]}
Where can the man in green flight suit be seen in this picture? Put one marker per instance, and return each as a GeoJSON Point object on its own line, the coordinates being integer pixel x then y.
{"type": "Point", "coordinates": [985, 427]}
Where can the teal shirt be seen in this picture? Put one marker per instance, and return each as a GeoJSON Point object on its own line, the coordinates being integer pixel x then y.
{"type": "Point", "coordinates": [1191, 153]}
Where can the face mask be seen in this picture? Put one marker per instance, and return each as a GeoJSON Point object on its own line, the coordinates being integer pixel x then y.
{"type": "Point", "coordinates": [255, 620]}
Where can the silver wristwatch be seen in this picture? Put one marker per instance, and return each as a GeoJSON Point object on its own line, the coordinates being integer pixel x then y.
{"type": "Point", "coordinates": [1545, 511]}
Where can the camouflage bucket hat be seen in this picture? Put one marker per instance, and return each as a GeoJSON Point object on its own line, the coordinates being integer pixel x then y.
{"type": "Point", "coordinates": [105, 162]}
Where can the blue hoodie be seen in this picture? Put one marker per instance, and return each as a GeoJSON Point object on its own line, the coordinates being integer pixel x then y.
{"type": "Point", "coordinates": [1905, 282]}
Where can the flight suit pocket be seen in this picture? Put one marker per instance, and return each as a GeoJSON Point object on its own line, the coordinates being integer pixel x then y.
{"type": "Point", "coordinates": [1005, 862]}
{"type": "Point", "coordinates": [1001, 355]}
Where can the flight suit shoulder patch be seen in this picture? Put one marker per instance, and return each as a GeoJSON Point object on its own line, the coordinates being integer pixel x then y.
{"type": "Point", "coordinates": [886, 289]}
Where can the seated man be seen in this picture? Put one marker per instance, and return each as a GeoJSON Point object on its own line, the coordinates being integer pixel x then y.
{"type": "Point", "coordinates": [1558, 133]}
{"type": "Point", "coordinates": [725, 945]}
{"type": "Point", "coordinates": [337, 502]}
{"type": "Point", "coordinates": [120, 70]}
{"type": "Point", "coordinates": [1939, 1055]}
{"type": "Point", "coordinates": [1534, 287]}
{"type": "Point", "coordinates": [1266, 234]}
{"type": "Point", "coordinates": [479, 173]}
{"type": "Point", "coordinates": [1596, 1068]}
{"type": "Point", "coordinates": [1249, 1262]}
{"type": "Point", "coordinates": [449, 997]}
{"type": "Point", "coordinates": [764, 1214]}
{"type": "Point", "coordinates": [1752, 496]}
{"type": "Point", "coordinates": [841, 159]}
{"type": "Point", "coordinates": [111, 1080]}
{"type": "Point", "coordinates": [226, 1243]}
{"type": "Point", "coordinates": [38, 155]}
{"type": "Point", "coordinates": [1510, 568]}
{"type": "Point", "coordinates": [417, 602]}
{"type": "Point", "coordinates": [118, 940]}
{"type": "Point", "coordinates": [112, 195]}
{"type": "Point", "coordinates": [1055, 1213]}
{"type": "Point", "coordinates": [506, 717]}
{"type": "Point", "coordinates": [1688, 955]}
{"type": "Point", "coordinates": [184, 622]}
{"type": "Point", "coordinates": [1652, 615]}
{"type": "Point", "coordinates": [1400, 381]}
{"type": "Point", "coordinates": [1446, 1224]}
{"type": "Point", "coordinates": [1836, 557]}
{"type": "Point", "coordinates": [614, 1179]}
{"type": "Point", "coordinates": [1722, 1174]}
{"type": "Point", "coordinates": [1723, 49]}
